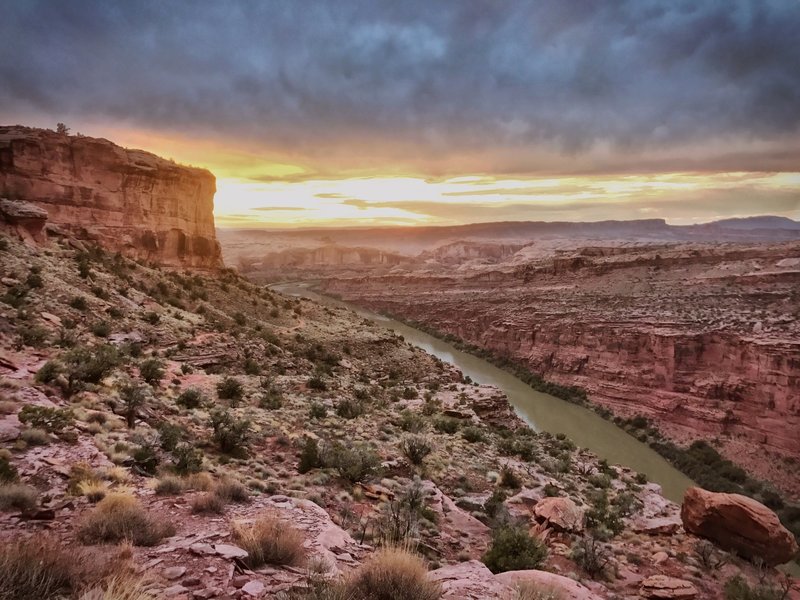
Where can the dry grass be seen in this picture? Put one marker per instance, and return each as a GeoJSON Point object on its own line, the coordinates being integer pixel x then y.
{"type": "Point", "coordinates": [17, 496]}
{"type": "Point", "coordinates": [117, 474]}
{"type": "Point", "coordinates": [202, 481]}
{"type": "Point", "coordinates": [119, 588]}
{"type": "Point", "coordinates": [231, 490]}
{"type": "Point", "coordinates": [392, 574]}
{"type": "Point", "coordinates": [94, 491]}
{"type": "Point", "coordinates": [208, 503]}
{"type": "Point", "coordinates": [35, 437]}
{"type": "Point", "coordinates": [37, 569]}
{"type": "Point", "coordinates": [270, 541]}
{"type": "Point", "coordinates": [170, 485]}
{"type": "Point", "coordinates": [528, 590]}
{"type": "Point", "coordinates": [121, 517]}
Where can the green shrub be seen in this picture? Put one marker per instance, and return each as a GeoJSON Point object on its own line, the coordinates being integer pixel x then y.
{"type": "Point", "coordinates": [146, 459]}
{"type": "Point", "coordinates": [317, 383]}
{"type": "Point", "coordinates": [509, 478]}
{"type": "Point", "coordinates": [309, 456]}
{"type": "Point", "coordinates": [231, 389]}
{"type": "Point", "coordinates": [737, 588]}
{"type": "Point", "coordinates": [354, 464]}
{"type": "Point", "coordinates": [101, 329]}
{"type": "Point", "coordinates": [190, 398]}
{"type": "Point", "coordinates": [271, 399]}
{"type": "Point", "coordinates": [52, 420]}
{"type": "Point", "coordinates": [152, 371]}
{"type": "Point", "coordinates": [169, 435]}
{"type": "Point", "coordinates": [152, 318]}
{"type": "Point", "coordinates": [409, 393]}
{"type": "Point", "coordinates": [411, 422]}
{"type": "Point", "coordinates": [514, 549]}
{"type": "Point", "coordinates": [79, 303]}
{"type": "Point", "coordinates": [8, 472]}
{"type": "Point", "coordinates": [349, 409]}
{"type": "Point", "coordinates": [590, 556]}
{"type": "Point", "coordinates": [230, 434]}
{"type": "Point", "coordinates": [31, 335]}
{"type": "Point", "coordinates": [447, 425]}
{"type": "Point", "coordinates": [317, 410]}
{"type": "Point", "coordinates": [89, 365]}
{"type": "Point", "coordinates": [187, 459]}
{"type": "Point", "coordinates": [473, 434]}
{"type": "Point", "coordinates": [48, 372]}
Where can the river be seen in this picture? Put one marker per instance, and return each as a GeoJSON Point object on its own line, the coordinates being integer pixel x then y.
{"type": "Point", "coordinates": [540, 411]}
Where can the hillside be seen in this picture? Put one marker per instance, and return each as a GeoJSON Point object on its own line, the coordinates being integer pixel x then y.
{"type": "Point", "coordinates": [195, 414]}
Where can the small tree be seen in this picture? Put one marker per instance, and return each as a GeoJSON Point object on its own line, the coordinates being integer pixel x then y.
{"type": "Point", "coordinates": [514, 549]}
{"type": "Point", "coordinates": [415, 448]}
{"type": "Point", "coordinates": [133, 397]}
{"type": "Point", "coordinates": [62, 129]}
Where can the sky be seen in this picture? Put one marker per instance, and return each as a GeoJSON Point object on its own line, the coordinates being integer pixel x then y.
{"type": "Point", "coordinates": [373, 112]}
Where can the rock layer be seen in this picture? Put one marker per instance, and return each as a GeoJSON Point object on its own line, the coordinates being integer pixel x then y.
{"type": "Point", "coordinates": [738, 523]}
{"type": "Point", "coordinates": [127, 200]}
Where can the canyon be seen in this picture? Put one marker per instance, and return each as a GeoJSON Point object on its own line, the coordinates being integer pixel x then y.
{"type": "Point", "coordinates": [126, 200]}
{"type": "Point", "coordinates": [701, 338]}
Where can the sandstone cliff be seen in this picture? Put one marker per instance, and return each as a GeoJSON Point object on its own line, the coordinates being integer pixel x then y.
{"type": "Point", "coordinates": [126, 200]}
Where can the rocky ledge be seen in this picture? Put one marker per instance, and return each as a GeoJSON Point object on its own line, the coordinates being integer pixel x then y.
{"type": "Point", "coordinates": [126, 200]}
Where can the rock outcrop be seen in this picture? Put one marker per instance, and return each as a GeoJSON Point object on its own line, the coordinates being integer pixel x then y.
{"type": "Point", "coordinates": [23, 219]}
{"type": "Point", "coordinates": [738, 523]}
{"type": "Point", "coordinates": [127, 200]}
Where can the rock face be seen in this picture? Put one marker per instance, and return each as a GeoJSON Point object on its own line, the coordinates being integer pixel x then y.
{"type": "Point", "coordinates": [24, 219]}
{"type": "Point", "coordinates": [738, 523]}
{"type": "Point", "coordinates": [126, 200]}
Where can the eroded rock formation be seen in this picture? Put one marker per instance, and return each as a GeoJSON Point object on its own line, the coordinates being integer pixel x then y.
{"type": "Point", "coordinates": [127, 200]}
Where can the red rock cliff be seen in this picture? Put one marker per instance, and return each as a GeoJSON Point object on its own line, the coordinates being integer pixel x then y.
{"type": "Point", "coordinates": [126, 200]}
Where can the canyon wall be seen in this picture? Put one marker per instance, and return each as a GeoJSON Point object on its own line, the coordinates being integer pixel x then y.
{"type": "Point", "coordinates": [127, 200]}
{"type": "Point", "coordinates": [703, 340]}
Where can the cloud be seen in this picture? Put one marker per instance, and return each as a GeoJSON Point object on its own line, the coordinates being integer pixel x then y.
{"type": "Point", "coordinates": [434, 89]}
{"type": "Point", "coordinates": [271, 208]}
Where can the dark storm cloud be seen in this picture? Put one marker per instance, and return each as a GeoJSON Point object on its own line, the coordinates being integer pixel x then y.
{"type": "Point", "coordinates": [498, 86]}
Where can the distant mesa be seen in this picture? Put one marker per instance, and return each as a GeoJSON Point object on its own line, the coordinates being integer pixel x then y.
{"type": "Point", "coordinates": [127, 200]}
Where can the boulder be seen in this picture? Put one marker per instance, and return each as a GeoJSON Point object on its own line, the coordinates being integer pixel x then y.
{"type": "Point", "coordinates": [559, 513]}
{"type": "Point", "coordinates": [661, 587]}
{"type": "Point", "coordinates": [738, 523]}
{"type": "Point", "coordinates": [469, 580]}
{"type": "Point", "coordinates": [23, 219]}
{"type": "Point", "coordinates": [566, 588]}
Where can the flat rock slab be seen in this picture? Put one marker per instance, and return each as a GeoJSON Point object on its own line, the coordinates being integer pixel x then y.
{"type": "Point", "coordinates": [661, 587]}
{"type": "Point", "coordinates": [230, 551]}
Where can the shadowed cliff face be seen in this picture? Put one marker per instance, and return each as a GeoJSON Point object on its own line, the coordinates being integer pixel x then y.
{"type": "Point", "coordinates": [126, 200]}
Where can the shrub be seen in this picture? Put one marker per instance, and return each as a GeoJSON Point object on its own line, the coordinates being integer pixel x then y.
{"type": "Point", "coordinates": [392, 574]}
{"type": "Point", "coordinates": [119, 517]}
{"type": "Point", "coordinates": [231, 490]}
{"type": "Point", "coordinates": [447, 425]}
{"type": "Point", "coordinates": [35, 437]}
{"type": "Point", "coordinates": [79, 303]}
{"type": "Point", "coordinates": [48, 372]}
{"type": "Point", "coordinates": [473, 434]}
{"type": "Point", "coordinates": [589, 555]}
{"type": "Point", "coordinates": [514, 549]}
{"type": "Point", "coordinates": [101, 329]}
{"type": "Point", "coordinates": [52, 420]}
{"type": "Point", "coordinates": [354, 464]}
{"type": "Point", "coordinates": [317, 383]}
{"type": "Point", "coordinates": [187, 459]}
{"type": "Point", "coordinates": [309, 456]}
{"type": "Point", "coordinates": [207, 503]}
{"type": "Point", "coordinates": [191, 398]}
{"type": "Point", "coordinates": [317, 410]}
{"type": "Point", "coordinates": [152, 371]}
{"type": "Point", "coordinates": [231, 389]}
{"type": "Point", "coordinates": [120, 588]}
{"type": "Point", "coordinates": [416, 448]}
{"type": "Point", "coordinates": [31, 335]}
{"type": "Point", "coordinates": [737, 588]}
{"type": "Point", "coordinates": [270, 541]}
{"type": "Point", "coordinates": [37, 568]}
{"type": "Point", "coordinates": [93, 490]}
{"type": "Point", "coordinates": [271, 399]}
{"type": "Point", "coordinates": [152, 317]}
{"type": "Point", "coordinates": [349, 409]}
{"type": "Point", "coordinates": [89, 365]}
{"type": "Point", "coordinates": [251, 367]}
{"type": "Point", "coordinates": [18, 497]}
{"type": "Point", "coordinates": [145, 458]}
{"type": "Point", "coordinates": [230, 434]}
{"type": "Point", "coordinates": [169, 486]}
{"type": "Point", "coordinates": [169, 435]}
{"type": "Point", "coordinates": [411, 422]}
{"type": "Point", "coordinates": [8, 472]}
{"type": "Point", "coordinates": [509, 479]}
